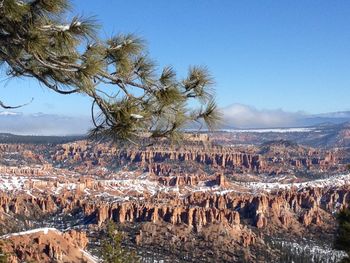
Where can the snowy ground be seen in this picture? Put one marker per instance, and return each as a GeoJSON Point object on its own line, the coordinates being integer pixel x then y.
{"type": "Point", "coordinates": [45, 230]}
{"type": "Point", "coordinates": [12, 183]}
{"type": "Point", "coordinates": [334, 181]}
{"type": "Point", "coordinates": [137, 185]}
{"type": "Point", "coordinates": [273, 130]}
{"type": "Point", "coordinates": [314, 252]}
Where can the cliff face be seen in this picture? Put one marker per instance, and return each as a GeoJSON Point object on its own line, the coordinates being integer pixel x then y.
{"type": "Point", "coordinates": [285, 208]}
{"type": "Point", "coordinates": [163, 160]}
{"type": "Point", "coordinates": [198, 209]}
{"type": "Point", "coordinates": [219, 222]}
{"type": "Point", "coordinates": [214, 157]}
{"type": "Point", "coordinates": [46, 245]}
{"type": "Point", "coordinates": [201, 218]}
{"type": "Point", "coordinates": [274, 159]}
{"type": "Point", "coordinates": [217, 157]}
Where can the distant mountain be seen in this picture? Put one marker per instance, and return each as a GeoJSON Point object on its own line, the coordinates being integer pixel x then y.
{"type": "Point", "coordinates": [12, 138]}
{"type": "Point", "coordinates": [331, 118]}
{"type": "Point", "coordinates": [303, 121]}
{"type": "Point", "coordinates": [247, 117]}
{"type": "Point", "coordinates": [325, 135]}
{"type": "Point", "coordinates": [338, 114]}
{"type": "Point", "coordinates": [332, 135]}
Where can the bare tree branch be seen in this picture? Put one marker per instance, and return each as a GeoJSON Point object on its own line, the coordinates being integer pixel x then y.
{"type": "Point", "coordinates": [4, 106]}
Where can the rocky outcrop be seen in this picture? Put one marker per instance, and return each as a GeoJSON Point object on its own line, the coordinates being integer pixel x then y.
{"type": "Point", "coordinates": [287, 208]}
{"type": "Point", "coordinates": [165, 160]}
{"type": "Point", "coordinates": [102, 153]}
{"type": "Point", "coordinates": [220, 180]}
{"type": "Point", "coordinates": [79, 238]}
{"type": "Point", "coordinates": [194, 217]}
{"type": "Point", "coordinates": [216, 157]}
{"type": "Point", "coordinates": [26, 171]}
{"type": "Point", "coordinates": [281, 209]}
{"type": "Point", "coordinates": [179, 180]}
{"type": "Point", "coordinates": [45, 245]}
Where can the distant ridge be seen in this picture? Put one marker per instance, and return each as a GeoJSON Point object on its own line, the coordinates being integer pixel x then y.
{"type": "Point", "coordinates": [33, 139]}
{"type": "Point", "coordinates": [324, 135]}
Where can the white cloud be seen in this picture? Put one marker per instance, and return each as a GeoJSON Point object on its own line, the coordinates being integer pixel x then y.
{"type": "Point", "coordinates": [244, 116]}
{"type": "Point", "coordinates": [234, 116]}
{"type": "Point", "coordinates": [43, 124]}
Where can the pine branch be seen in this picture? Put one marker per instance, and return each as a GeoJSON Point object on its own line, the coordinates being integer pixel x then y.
{"type": "Point", "coordinates": [4, 106]}
{"type": "Point", "coordinates": [35, 42]}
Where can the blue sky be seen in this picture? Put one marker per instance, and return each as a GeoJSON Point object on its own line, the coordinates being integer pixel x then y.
{"type": "Point", "coordinates": [288, 55]}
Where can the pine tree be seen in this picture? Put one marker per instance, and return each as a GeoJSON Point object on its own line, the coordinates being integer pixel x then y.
{"type": "Point", "coordinates": [112, 250]}
{"type": "Point", "coordinates": [131, 97]}
{"type": "Point", "coordinates": [342, 241]}
{"type": "Point", "coordinates": [3, 257]}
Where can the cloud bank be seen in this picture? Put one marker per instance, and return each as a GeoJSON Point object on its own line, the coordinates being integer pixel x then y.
{"type": "Point", "coordinates": [234, 116]}
{"type": "Point", "coordinates": [42, 124]}
{"type": "Point", "coordinates": [244, 116]}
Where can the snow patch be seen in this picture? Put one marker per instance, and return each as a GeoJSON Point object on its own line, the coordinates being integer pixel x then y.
{"type": "Point", "coordinates": [90, 257]}
{"type": "Point", "coordinates": [338, 180]}
{"type": "Point", "coordinates": [136, 116]}
{"type": "Point", "coordinates": [32, 231]}
{"type": "Point", "coordinates": [273, 130]}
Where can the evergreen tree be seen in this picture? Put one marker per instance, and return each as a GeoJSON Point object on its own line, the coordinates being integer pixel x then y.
{"type": "Point", "coordinates": [131, 97]}
{"type": "Point", "coordinates": [342, 241]}
{"type": "Point", "coordinates": [3, 257]}
{"type": "Point", "coordinates": [112, 250]}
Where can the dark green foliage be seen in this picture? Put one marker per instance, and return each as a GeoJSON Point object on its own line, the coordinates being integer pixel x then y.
{"type": "Point", "coordinates": [112, 250]}
{"type": "Point", "coordinates": [28, 139]}
{"type": "Point", "coordinates": [132, 98]}
{"type": "Point", "coordinates": [3, 257]}
{"type": "Point", "coordinates": [342, 241]}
